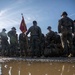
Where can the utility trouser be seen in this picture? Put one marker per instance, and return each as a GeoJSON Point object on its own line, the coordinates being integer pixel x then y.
{"type": "Point", "coordinates": [68, 42]}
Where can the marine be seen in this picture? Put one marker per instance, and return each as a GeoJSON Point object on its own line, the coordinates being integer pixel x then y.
{"type": "Point", "coordinates": [13, 41]}
{"type": "Point", "coordinates": [4, 42]}
{"type": "Point", "coordinates": [65, 27]}
{"type": "Point", "coordinates": [35, 36]}
{"type": "Point", "coordinates": [23, 44]}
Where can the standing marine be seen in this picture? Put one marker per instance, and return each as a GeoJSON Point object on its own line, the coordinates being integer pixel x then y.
{"type": "Point", "coordinates": [13, 41]}
{"type": "Point", "coordinates": [35, 36]}
{"type": "Point", "coordinates": [23, 44]}
{"type": "Point", "coordinates": [4, 42]}
{"type": "Point", "coordinates": [66, 28]}
{"type": "Point", "coordinates": [50, 36]}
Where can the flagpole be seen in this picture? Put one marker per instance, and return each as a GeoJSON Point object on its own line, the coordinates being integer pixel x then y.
{"type": "Point", "coordinates": [22, 15]}
{"type": "Point", "coordinates": [25, 34]}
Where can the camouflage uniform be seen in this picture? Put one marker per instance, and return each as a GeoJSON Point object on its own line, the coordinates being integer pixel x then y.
{"type": "Point", "coordinates": [42, 46]}
{"type": "Point", "coordinates": [4, 42]}
{"type": "Point", "coordinates": [13, 41]}
{"type": "Point", "coordinates": [74, 26]}
{"type": "Point", "coordinates": [50, 39]}
{"type": "Point", "coordinates": [35, 35]}
{"type": "Point", "coordinates": [23, 44]}
{"type": "Point", "coordinates": [74, 38]}
{"type": "Point", "coordinates": [65, 27]}
{"type": "Point", "coordinates": [74, 33]}
{"type": "Point", "coordinates": [50, 36]}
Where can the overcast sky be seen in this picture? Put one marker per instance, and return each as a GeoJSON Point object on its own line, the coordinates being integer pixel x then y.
{"type": "Point", "coordinates": [45, 12]}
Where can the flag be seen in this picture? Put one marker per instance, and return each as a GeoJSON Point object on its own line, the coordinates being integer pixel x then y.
{"type": "Point", "coordinates": [23, 27]}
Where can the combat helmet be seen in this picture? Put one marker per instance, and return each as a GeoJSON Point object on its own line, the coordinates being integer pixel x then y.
{"type": "Point", "coordinates": [49, 27]}
{"type": "Point", "coordinates": [13, 28]}
{"type": "Point", "coordinates": [64, 13]}
{"type": "Point", "coordinates": [3, 29]}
